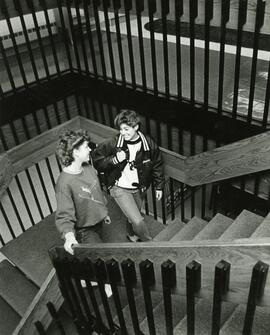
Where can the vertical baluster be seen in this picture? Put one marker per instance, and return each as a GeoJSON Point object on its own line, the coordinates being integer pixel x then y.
{"type": "Point", "coordinates": [152, 8]}
{"type": "Point", "coordinates": [193, 284]}
{"type": "Point", "coordinates": [2, 241]}
{"type": "Point", "coordinates": [165, 9]}
{"type": "Point", "coordinates": [15, 209]}
{"type": "Point", "coordinates": [99, 37]}
{"type": "Point", "coordinates": [14, 43]}
{"type": "Point", "coordinates": [258, 24]}
{"type": "Point", "coordinates": [266, 99]}
{"type": "Point", "coordinates": [154, 204]}
{"type": "Point", "coordinates": [73, 35]}
{"type": "Point", "coordinates": [63, 274]}
{"type": "Point", "coordinates": [100, 271]}
{"type": "Point", "coordinates": [18, 8]}
{"type": "Point", "coordinates": [168, 271]}
{"type": "Point", "coordinates": [193, 12]}
{"type": "Point", "coordinates": [56, 111]}
{"type": "Point", "coordinates": [117, 6]}
{"type": "Point", "coordinates": [106, 4]}
{"type": "Point", "coordinates": [221, 286]}
{"type": "Point", "coordinates": [34, 193]}
{"type": "Point", "coordinates": [172, 198]}
{"type": "Point", "coordinates": [203, 201]}
{"type": "Point", "coordinates": [257, 285]}
{"type": "Point", "coordinates": [4, 214]}
{"type": "Point", "coordinates": [89, 275]}
{"type": "Point", "coordinates": [65, 35]}
{"type": "Point", "coordinates": [182, 202]}
{"type": "Point", "coordinates": [3, 140]}
{"type": "Point", "coordinates": [78, 275]}
{"type": "Point", "coordinates": [139, 10]}
{"type": "Point", "coordinates": [55, 318]}
{"type": "Point", "coordinates": [78, 15]}
{"type": "Point", "coordinates": [208, 18]}
{"type": "Point", "coordinates": [163, 209]}
{"type": "Point", "coordinates": [40, 329]}
{"type": "Point", "coordinates": [225, 15]}
{"type": "Point", "coordinates": [242, 17]}
{"type": "Point", "coordinates": [90, 36]}
{"type": "Point", "coordinates": [148, 280]}
{"type": "Point", "coordinates": [178, 13]}
{"type": "Point", "coordinates": [130, 279]}
{"type": "Point", "coordinates": [40, 43]}
{"type": "Point", "coordinates": [257, 182]}
{"type": "Point", "coordinates": [44, 187]}
{"type": "Point", "coordinates": [114, 278]}
{"type": "Point", "coordinates": [127, 8]}
{"type": "Point", "coordinates": [24, 200]}
{"type": "Point", "coordinates": [48, 24]}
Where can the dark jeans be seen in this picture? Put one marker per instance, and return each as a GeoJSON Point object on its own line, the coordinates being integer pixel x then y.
{"type": "Point", "coordinates": [91, 234]}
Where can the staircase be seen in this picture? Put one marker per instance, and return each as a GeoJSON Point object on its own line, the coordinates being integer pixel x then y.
{"type": "Point", "coordinates": [221, 228]}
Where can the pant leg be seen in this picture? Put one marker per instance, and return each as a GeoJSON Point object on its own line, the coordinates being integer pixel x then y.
{"type": "Point", "coordinates": [125, 200]}
{"type": "Point", "coordinates": [139, 200]}
{"type": "Point", "coordinates": [91, 235]}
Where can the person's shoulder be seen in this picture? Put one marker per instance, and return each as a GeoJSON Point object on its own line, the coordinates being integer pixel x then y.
{"type": "Point", "coordinates": [62, 181]}
{"type": "Point", "coordinates": [151, 142]}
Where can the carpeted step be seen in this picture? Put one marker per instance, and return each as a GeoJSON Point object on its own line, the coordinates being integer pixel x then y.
{"type": "Point", "coordinates": [29, 251]}
{"type": "Point", "coordinates": [15, 288]}
{"type": "Point", "coordinates": [191, 229]}
{"type": "Point", "coordinates": [178, 311]}
{"type": "Point", "coordinates": [263, 230]}
{"type": "Point", "coordinates": [140, 306]}
{"type": "Point", "coordinates": [203, 318]}
{"type": "Point", "coordinates": [215, 228]}
{"type": "Point", "coordinates": [9, 319]}
{"type": "Point", "coordinates": [242, 227]}
{"type": "Point", "coordinates": [234, 325]}
{"type": "Point", "coordinates": [170, 231]}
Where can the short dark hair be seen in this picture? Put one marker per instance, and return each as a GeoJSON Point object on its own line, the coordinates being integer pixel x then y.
{"type": "Point", "coordinates": [128, 117]}
{"type": "Point", "coordinates": [68, 141]}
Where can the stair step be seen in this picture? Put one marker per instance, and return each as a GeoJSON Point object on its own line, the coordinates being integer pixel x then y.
{"type": "Point", "coordinates": [203, 318]}
{"type": "Point", "coordinates": [140, 306]}
{"type": "Point", "coordinates": [178, 311]}
{"type": "Point", "coordinates": [242, 227]}
{"type": "Point", "coordinates": [264, 228]}
{"type": "Point", "coordinates": [215, 228]}
{"type": "Point", "coordinates": [15, 288]}
{"type": "Point", "coordinates": [170, 231]}
{"type": "Point", "coordinates": [191, 229]}
{"type": "Point", "coordinates": [29, 251]}
{"type": "Point", "coordinates": [9, 319]}
{"type": "Point", "coordinates": [234, 325]}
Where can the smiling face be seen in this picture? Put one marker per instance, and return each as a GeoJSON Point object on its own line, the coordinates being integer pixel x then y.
{"type": "Point", "coordinates": [82, 153]}
{"type": "Point", "coordinates": [129, 133]}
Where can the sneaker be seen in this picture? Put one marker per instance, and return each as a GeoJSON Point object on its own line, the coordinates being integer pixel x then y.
{"type": "Point", "coordinates": [83, 283]}
{"type": "Point", "coordinates": [133, 238]}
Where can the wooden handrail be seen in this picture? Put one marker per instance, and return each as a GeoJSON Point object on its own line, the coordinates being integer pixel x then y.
{"type": "Point", "coordinates": [37, 311]}
{"type": "Point", "coordinates": [242, 257]}
{"type": "Point", "coordinates": [233, 160]}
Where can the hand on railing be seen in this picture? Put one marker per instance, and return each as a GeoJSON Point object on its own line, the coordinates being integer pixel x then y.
{"type": "Point", "coordinates": [70, 240]}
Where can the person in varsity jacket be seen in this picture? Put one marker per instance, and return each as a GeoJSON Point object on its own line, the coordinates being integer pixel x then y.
{"type": "Point", "coordinates": [130, 161]}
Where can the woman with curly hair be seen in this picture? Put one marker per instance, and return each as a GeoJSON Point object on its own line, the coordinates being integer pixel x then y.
{"type": "Point", "coordinates": [81, 205]}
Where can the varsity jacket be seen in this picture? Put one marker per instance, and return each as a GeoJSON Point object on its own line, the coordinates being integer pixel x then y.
{"type": "Point", "coordinates": [148, 161]}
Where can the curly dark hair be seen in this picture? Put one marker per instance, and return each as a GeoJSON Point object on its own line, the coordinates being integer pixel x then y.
{"type": "Point", "coordinates": [68, 141]}
{"type": "Point", "coordinates": [128, 117]}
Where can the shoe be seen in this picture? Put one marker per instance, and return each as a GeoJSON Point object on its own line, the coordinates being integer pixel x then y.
{"type": "Point", "coordinates": [133, 238]}
{"type": "Point", "coordinates": [83, 283]}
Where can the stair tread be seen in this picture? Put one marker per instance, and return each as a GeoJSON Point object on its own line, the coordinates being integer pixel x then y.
{"type": "Point", "coordinates": [140, 306]}
{"type": "Point", "coordinates": [215, 228]}
{"type": "Point", "coordinates": [178, 312]}
{"type": "Point", "coordinates": [263, 230]}
{"type": "Point", "coordinates": [170, 231]}
{"type": "Point", "coordinates": [191, 229]}
{"type": "Point", "coordinates": [234, 325]}
{"type": "Point", "coordinates": [29, 251]}
{"type": "Point", "coordinates": [203, 317]}
{"type": "Point", "coordinates": [242, 227]}
{"type": "Point", "coordinates": [15, 288]}
{"type": "Point", "coordinates": [9, 319]}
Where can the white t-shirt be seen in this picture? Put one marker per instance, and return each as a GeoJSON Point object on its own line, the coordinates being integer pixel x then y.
{"type": "Point", "coordinates": [130, 173]}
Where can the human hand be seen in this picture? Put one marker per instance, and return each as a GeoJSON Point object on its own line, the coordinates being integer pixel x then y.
{"type": "Point", "coordinates": [70, 240]}
{"type": "Point", "coordinates": [121, 156]}
{"type": "Point", "coordinates": [159, 194]}
{"type": "Point", "coordinates": [107, 220]}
